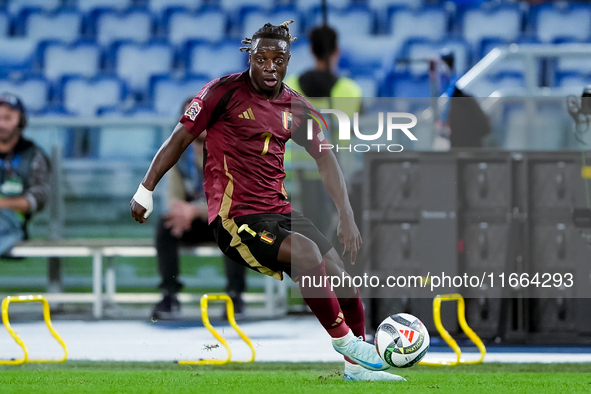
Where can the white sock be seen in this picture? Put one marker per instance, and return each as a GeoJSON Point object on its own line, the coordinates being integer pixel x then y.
{"type": "Point", "coordinates": [344, 340]}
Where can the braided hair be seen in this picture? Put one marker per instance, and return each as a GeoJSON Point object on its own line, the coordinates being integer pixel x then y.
{"type": "Point", "coordinates": [280, 32]}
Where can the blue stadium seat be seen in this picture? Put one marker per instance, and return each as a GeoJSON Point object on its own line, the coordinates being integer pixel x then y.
{"type": "Point", "coordinates": [580, 65]}
{"type": "Point", "coordinates": [85, 96]}
{"type": "Point", "coordinates": [479, 24]}
{"type": "Point", "coordinates": [77, 59]}
{"type": "Point", "coordinates": [424, 49]}
{"type": "Point", "coordinates": [184, 26]}
{"type": "Point", "coordinates": [429, 23]}
{"type": "Point", "coordinates": [136, 64]}
{"type": "Point", "coordinates": [16, 6]}
{"type": "Point", "coordinates": [405, 85]}
{"type": "Point", "coordinates": [169, 93]}
{"type": "Point", "coordinates": [17, 54]}
{"type": "Point", "coordinates": [139, 111]}
{"type": "Point", "coordinates": [133, 26]}
{"type": "Point", "coordinates": [217, 60]}
{"type": "Point", "coordinates": [161, 6]}
{"type": "Point", "coordinates": [301, 58]}
{"type": "Point", "coordinates": [574, 80]}
{"type": "Point", "coordinates": [309, 5]}
{"type": "Point", "coordinates": [561, 21]}
{"type": "Point", "coordinates": [4, 24]}
{"type": "Point", "coordinates": [87, 6]}
{"type": "Point", "coordinates": [488, 85]}
{"type": "Point", "coordinates": [64, 26]}
{"type": "Point", "coordinates": [383, 5]}
{"type": "Point", "coordinates": [236, 5]}
{"type": "Point", "coordinates": [121, 143]}
{"type": "Point", "coordinates": [34, 91]}
{"type": "Point", "coordinates": [350, 23]}
{"type": "Point", "coordinates": [383, 10]}
{"type": "Point", "coordinates": [507, 65]}
{"type": "Point", "coordinates": [256, 19]}
{"type": "Point", "coordinates": [363, 56]}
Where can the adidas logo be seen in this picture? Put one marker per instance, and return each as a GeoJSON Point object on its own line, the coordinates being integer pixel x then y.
{"type": "Point", "coordinates": [409, 334]}
{"type": "Point", "coordinates": [247, 114]}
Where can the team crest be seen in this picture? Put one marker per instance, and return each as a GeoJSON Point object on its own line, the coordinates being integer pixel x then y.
{"type": "Point", "coordinates": [193, 111]}
{"type": "Point", "coordinates": [267, 237]}
{"type": "Point", "coordinates": [287, 120]}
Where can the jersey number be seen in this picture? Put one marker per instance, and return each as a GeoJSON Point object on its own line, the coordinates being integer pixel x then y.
{"type": "Point", "coordinates": [266, 146]}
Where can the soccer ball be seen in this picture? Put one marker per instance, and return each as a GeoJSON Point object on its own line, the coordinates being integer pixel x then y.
{"type": "Point", "coordinates": [402, 340]}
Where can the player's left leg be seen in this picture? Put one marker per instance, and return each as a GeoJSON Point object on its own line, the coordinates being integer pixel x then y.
{"type": "Point", "coordinates": [361, 358]}
{"type": "Point", "coordinates": [350, 302]}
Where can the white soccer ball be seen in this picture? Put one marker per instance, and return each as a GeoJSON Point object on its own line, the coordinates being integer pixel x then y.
{"type": "Point", "coordinates": [402, 340]}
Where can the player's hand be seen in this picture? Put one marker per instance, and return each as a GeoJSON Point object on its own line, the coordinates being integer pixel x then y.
{"type": "Point", "coordinates": [141, 204]}
{"type": "Point", "coordinates": [349, 236]}
{"type": "Point", "coordinates": [180, 217]}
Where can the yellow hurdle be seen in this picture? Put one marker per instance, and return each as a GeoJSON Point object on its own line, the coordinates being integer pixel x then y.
{"type": "Point", "coordinates": [448, 339]}
{"type": "Point", "coordinates": [231, 319]}
{"type": "Point", "coordinates": [46, 316]}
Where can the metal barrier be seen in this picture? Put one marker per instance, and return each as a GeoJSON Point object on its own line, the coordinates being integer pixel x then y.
{"type": "Point", "coordinates": [448, 338]}
{"type": "Point", "coordinates": [46, 316]}
{"type": "Point", "coordinates": [205, 317]}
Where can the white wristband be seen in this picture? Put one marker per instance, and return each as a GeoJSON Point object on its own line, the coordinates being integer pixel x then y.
{"type": "Point", "coordinates": [144, 197]}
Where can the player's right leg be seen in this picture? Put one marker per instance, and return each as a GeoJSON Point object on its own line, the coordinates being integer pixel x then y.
{"type": "Point", "coordinates": [265, 243]}
{"type": "Point", "coordinates": [350, 304]}
{"type": "Point", "coordinates": [310, 270]}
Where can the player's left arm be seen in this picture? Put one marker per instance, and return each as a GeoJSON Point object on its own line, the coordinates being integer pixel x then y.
{"type": "Point", "coordinates": [334, 181]}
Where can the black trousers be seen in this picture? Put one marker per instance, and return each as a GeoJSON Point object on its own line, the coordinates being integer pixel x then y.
{"type": "Point", "coordinates": [167, 248]}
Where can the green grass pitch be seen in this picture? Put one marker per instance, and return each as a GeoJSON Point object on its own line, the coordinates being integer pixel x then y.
{"type": "Point", "coordinates": [285, 378]}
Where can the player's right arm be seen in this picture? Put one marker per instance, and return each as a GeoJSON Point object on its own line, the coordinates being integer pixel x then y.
{"type": "Point", "coordinates": [166, 157]}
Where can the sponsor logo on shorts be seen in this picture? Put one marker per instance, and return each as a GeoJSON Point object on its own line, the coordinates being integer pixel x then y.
{"type": "Point", "coordinates": [267, 237]}
{"type": "Point", "coordinates": [193, 111]}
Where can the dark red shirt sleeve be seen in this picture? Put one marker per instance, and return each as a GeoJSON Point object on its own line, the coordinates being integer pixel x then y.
{"type": "Point", "coordinates": [198, 115]}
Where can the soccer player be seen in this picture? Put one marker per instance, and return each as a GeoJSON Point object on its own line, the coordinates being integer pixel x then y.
{"type": "Point", "coordinates": [248, 118]}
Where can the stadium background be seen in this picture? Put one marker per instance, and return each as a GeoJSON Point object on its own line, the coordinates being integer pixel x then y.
{"type": "Point", "coordinates": [103, 81]}
{"type": "Point", "coordinates": [98, 76]}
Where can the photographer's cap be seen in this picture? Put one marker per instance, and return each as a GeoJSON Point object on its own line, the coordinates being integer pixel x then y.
{"type": "Point", "coordinates": [12, 101]}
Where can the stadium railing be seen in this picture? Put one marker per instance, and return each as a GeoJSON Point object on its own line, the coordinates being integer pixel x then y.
{"type": "Point", "coordinates": [104, 287]}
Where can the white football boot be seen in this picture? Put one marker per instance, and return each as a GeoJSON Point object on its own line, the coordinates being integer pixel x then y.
{"type": "Point", "coordinates": [359, 351]}
{"type": "Point", "coordinates": [357, 373]}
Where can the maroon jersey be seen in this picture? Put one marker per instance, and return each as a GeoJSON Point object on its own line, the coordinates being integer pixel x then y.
{"type": "Point", "coordinates": [245, 145]}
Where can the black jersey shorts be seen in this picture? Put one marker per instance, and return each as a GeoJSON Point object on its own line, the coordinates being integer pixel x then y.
{"type": "Point", "coordinates": [254, 240]}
